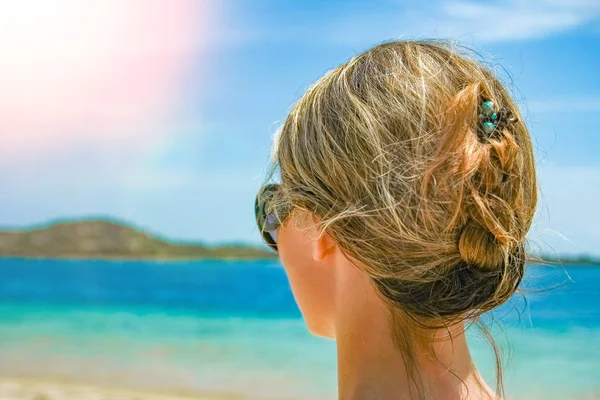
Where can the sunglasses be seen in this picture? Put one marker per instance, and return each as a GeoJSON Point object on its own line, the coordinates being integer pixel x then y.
{"type": "Point", "coordinates": [268, 223]}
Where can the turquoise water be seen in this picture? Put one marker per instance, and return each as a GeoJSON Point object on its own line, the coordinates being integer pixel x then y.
{"type": "Point", "coordinates": [233, 327]}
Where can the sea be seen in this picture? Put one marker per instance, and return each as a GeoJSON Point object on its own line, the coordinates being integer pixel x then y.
{"type": "Point", "coordinates": [233, 328]}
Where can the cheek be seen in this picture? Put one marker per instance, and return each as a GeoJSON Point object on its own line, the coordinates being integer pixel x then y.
{"type": "Point", "coordinates": [312, 282]}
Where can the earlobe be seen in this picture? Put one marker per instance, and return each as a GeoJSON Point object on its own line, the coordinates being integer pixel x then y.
{"type": "Point", "coordinates": [323, 246]}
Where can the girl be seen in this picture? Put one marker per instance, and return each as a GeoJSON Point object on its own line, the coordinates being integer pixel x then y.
{"type": "Point", "coordinates": [407, 186]}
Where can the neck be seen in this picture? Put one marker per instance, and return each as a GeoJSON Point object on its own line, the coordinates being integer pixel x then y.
{"type": "Point", "coordinates": [371, 365]}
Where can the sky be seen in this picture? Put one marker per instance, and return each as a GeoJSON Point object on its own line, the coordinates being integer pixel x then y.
{"type": "Point", "coordinates": [162, 113]}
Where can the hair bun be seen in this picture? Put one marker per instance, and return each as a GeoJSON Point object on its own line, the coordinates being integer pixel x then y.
{"type": "Point", "coordinates": [479, 247]}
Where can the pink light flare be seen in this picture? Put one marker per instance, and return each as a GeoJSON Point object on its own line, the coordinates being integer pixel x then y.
{"type": "Point", "coordinates": [95, 72]}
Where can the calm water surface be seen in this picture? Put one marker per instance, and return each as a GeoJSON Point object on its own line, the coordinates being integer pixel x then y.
{"type": "Point", "coordinates": [233, 327]}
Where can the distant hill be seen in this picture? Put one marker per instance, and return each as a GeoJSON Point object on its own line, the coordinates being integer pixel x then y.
{"type": "Point", "coordinates": [110, 239]}
{"type": "Point", "coordinates": [580, 260]}
{"type": "Point", "coordinates": [103, 238]}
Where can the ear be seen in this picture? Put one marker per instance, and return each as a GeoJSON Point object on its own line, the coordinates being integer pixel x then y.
{"type": "Point", "coordinates": [323, 246]}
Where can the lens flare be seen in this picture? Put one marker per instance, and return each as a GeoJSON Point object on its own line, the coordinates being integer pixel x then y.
{"type": "Point", "coordinates": [94, 72]}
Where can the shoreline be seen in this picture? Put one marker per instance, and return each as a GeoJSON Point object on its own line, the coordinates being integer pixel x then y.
{"type": "Point", "coordinates": [543, 263]}
{"type": "Point", "coordinates": [131, 258]}
{"type": "Point", "coordinates": [17, 388]}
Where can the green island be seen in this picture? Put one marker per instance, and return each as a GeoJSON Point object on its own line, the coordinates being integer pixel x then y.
{"type": "Point", "coordinates": [106, 238]}
{"type": "Point", "coordinates": [111, 239]}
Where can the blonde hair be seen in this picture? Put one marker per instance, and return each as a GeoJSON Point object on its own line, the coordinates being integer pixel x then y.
{"type": "Point", "coordinates": [386, 151]}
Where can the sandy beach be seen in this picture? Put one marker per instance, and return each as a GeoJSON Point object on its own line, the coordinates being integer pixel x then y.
{"type": "Point", "coordinates": [29, 389]}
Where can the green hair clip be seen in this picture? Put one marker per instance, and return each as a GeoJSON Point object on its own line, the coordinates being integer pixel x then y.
{"type": "Point", "coordinates": [493, 121]}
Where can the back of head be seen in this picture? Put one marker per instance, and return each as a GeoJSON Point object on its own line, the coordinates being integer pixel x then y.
{"type": "Point", "coordinates": [417, 163]}
{"type": "Point", "coordinates": [388, 151]}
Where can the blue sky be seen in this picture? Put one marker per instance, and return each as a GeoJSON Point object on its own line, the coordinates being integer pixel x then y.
{"type": "Point", "coordinates": [233, 89]}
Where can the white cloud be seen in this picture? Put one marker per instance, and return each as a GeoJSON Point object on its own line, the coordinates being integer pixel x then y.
{"type": "Point", "coordinates": [567, 220]}
{"type": "Point", "coordinates": [496, 21]}
{"type": "Point", "coordinates": [566, 104]}
{"type": "Point", "coordinates": [515, 20]}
